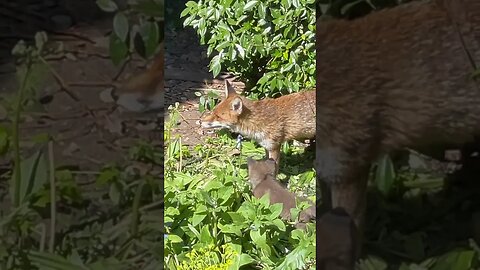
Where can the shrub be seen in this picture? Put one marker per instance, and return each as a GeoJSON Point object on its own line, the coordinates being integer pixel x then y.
{"type": "Point", "coordinates": [268, 44]}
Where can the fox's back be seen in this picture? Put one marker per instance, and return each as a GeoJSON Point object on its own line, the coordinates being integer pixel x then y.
{"type": "Point", "coordinates": [292, 116]}
{"type": "Point", "coordinates": [403, 78]}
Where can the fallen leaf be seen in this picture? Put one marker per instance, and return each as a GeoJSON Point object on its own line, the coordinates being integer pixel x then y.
{"type": "Point", "coordinates": [70, 149]}
{"type": "Point", "coordinates": [114, 125]}
{"type": "Point", "coordinates": [146, 127]}
{"type": "Point", "coordinates": [235, 152]}
{"type": "Point", "coordinates": [106, 95]}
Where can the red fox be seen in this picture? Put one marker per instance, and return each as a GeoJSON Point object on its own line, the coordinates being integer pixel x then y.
{"type": "Point", "coordinates": [399, 77]}
{"type": "Point", "coordinates": [269, 121]}
{"type": "Point", "coordinates": [262, 176]}
{"type": "Point", "coordinates": [144, 91]}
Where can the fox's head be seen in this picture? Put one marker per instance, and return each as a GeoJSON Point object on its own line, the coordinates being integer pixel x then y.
{"type": "Point", "coordinates": [227, 112]}
{"type": "Point", "coordinates": [260, 170]}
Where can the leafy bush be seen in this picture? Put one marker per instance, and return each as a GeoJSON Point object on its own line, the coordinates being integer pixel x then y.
{"type": "Point", "coordinates": [268, 44]}
{"type": "Point", "coordinates": [208, 204]}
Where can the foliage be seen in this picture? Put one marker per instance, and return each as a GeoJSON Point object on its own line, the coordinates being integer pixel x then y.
{"type": "Point", "coordinates": [206, 258]}
{"type": "Point", "coordinates": [208, 101]}
{"type": "Point", "coordinates": [136, 27]}
{"type": "Point", "coordinates": [268, 44]}
{"type": "Point", "coordinates": [47, 220]}
{"type": "Point", "coordinates": [208, 203]}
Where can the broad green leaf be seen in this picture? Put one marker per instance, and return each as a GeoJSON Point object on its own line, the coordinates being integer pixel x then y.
{"type": "Point", "coordinates": [197, 218]}
{"type": "Point", "coordinates": [250, 4]}
{"type": "Point", "coordinates": [40, 40]}
{"type": "Point", "coordinates": [120, 26]}
{"type": "Point", "coordinates": [107, 5]}
{"type": "Point", "coordinates": [151, 38]}
{"type": "Point", "coordinates": [172, 238]}
{"type": "Point", "coordinates": [34, 174]}
{"type": "Point", "coordinates": [385, 174]}
{"type": "Point", "coordinates": [118, 49]}
{"type": "Point", "coordinates": [215, 65]}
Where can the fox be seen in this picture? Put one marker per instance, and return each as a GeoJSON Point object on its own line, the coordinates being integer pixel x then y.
{"type": "Point", "coordinates": [270, 121]}
{"type": "Point", "coordinates": [262, 177]}
{"type": "Point", "coordinates": [396, 78]}
{"type": "Point", "coordinates": [144, 91]}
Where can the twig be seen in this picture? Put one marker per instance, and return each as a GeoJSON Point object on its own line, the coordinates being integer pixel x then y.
{"type": "Point", "coordinates": [92, 84]}
{"type": "Point", "coordinates": [97, 54]}
{"type": "Point", "coordinates": [60, 81]}
{"type": "Point", "coordinates": [122, 68]}
{"type": "Point", "coordinates": [77, 36]}
{"type": "Point", "coordinates": [53, 207]}
{"type": "Point", "coordinates": [86, 172]}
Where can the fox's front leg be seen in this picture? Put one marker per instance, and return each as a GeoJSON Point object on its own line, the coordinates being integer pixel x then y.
{"type": "Point", "coordinates": [346, 176]}
{"type": "Point", "coordinates": [274, 153]}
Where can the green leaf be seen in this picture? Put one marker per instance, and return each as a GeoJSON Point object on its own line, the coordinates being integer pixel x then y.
{"type": "Point", "coordinates": [45, 260]}
{"type": "Point", "coordinates": [414, 246]}
{"type": "Point", "coordinates": [120, 26]}
{"type": "Point", "coordinates": [118, 49]}
{"type": "Point", "coordinates": [205, 236]}
{"type": "Point", "coordinates": [198, 218]}
{"type": "Point", "coordinates": [115, 193]}
{"type": "Point", "coordinates": [34, 175]}
{"type": "Point", "coordinates": [249, 5]}
{"type": "Point", "coordinates": [149, 8]}
{"type": "Point", "coordinates": [172, 238]}
{"type": "Point", "coordinates": [215, 65]}
{"type": "Point", "coordinates": [279, 224]}
{"type": "Point", "coordinates": [241, 51]}
{"type": "Point", "coordinates": [151, 37]}
{"type": "Point", "coordinates": [107, 176]}
{"type": "Point", "coordinates": [458, 260]}
{"type": "Point", "coordinates": [276, 210]}
{"type": "Point", "coordinates": [4, 141]}
{"type": "Point", "coordinates": [40, 40]}
{"type": "Point", "coordinates": [107, 5]}
{"type": "Point", "coordinates": [241, 260]}
{"type": "Point", "coordinates": [385, 175]}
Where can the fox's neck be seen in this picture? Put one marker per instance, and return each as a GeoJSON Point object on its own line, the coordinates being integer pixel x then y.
{"type": "Point", "coordinates": [255, 119]}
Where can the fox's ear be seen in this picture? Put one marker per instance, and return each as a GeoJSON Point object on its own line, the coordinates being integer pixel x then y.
{"type": "Point", "coordinates": [271, 162]}
{"type": "Point", "coordinates": [237, 105]}
{"type": "Point", "coordinates": [229, 89]}
{"type": "Point", "coordinates": [250, 161]}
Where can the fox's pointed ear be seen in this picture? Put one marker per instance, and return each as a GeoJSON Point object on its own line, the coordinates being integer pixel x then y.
{"type": "Point", "coordinates": [229, 89]}
{"type": "Point", "coordinates": [271, 162]}
{"type": "Point", "coordinates": [237, 105]}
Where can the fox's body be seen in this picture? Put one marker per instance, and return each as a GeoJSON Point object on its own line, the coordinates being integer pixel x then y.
{"type": "Point", "coordinates": [262, 176]}
{"type": "Point", "coordinates": [269, 121]}
{"type": "Point", "coordinates": [144, 91]}
{"type": "Point", "coordinates": [396, 78]}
